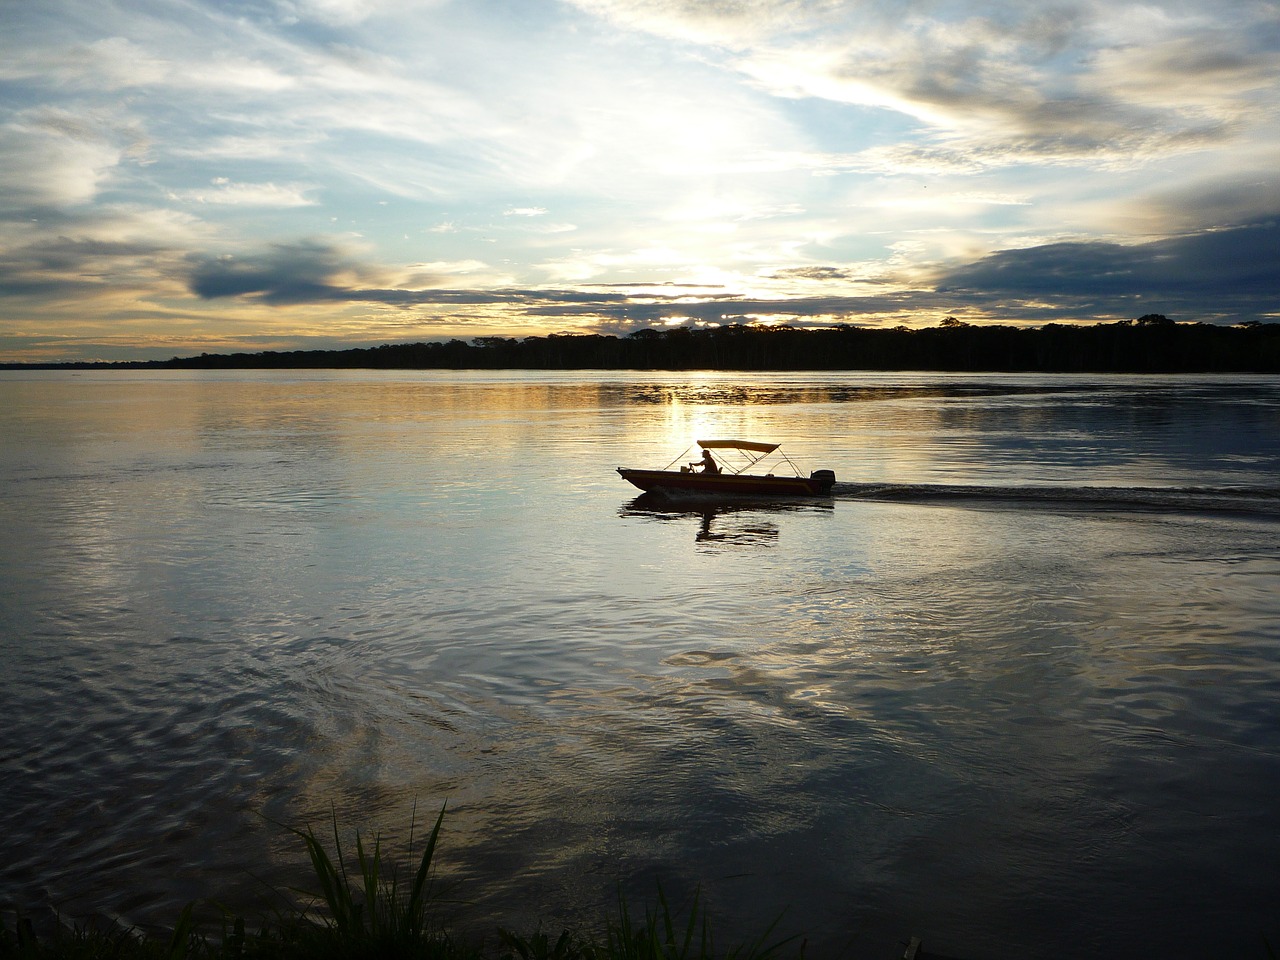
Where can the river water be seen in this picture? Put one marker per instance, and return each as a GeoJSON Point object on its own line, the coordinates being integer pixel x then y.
{"type": "Point", "coordinates": [1015, 688]}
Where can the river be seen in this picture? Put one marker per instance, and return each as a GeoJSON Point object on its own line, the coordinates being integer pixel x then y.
{"type": "Point", "coordinates": [1014, 688]}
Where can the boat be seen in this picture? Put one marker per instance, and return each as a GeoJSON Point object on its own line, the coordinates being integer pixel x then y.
{"type": "Point", "coordinates": [733, 470]}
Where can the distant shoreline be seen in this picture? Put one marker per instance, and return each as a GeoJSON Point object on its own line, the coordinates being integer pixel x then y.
{"type": "Point", "coordinates": [1145, 346]}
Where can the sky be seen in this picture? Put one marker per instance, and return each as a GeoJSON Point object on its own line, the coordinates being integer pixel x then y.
{"type": "Point", "coordinates": [189, 176]}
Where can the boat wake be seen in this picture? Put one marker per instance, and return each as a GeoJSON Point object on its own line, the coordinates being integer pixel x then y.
{"type": "Point", "coordinates": [1263, 501]}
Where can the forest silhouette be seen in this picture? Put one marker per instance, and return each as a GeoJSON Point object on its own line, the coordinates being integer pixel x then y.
{"type": "Point", "coordinates": [1150, 344]}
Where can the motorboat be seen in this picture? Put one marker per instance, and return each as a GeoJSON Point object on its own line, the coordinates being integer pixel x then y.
{"type": "Point", "coordinates": [735, 468]}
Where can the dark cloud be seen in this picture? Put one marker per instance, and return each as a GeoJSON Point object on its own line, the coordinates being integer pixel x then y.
{"type": "Point", "coordinates": [1237, 267]}
{"type": "Point", "coordinates": [1227, 275]}
{"type": "Point", "coordinates": [286, 274]}
{"type": "Point", "coordinates": [1234, 197]}
{"type": "Point", "coordinates": [813, 273]}
{"type": "Point", "coordinates": [68, 254]}
{"type": "Point", "coordinates": [64, 266]}
{"type": "Point", "coordinates": [316, 272]}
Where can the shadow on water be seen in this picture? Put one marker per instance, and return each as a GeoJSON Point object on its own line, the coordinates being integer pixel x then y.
{"type": "Point", "coordinates": [740, 521]}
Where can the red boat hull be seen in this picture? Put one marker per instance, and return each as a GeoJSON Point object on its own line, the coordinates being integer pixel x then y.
{"type": "Point", "coordinates": [719, 484]}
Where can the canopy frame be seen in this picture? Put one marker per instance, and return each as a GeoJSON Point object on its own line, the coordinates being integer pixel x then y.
{"type": "Point", "coordinates": [753, 445]}
{"type": "Point", "coordinates": [751, 452]}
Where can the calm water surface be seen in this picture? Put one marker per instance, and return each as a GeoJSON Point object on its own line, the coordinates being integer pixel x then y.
{"type": "Point", "coordinates": [1015, 687]}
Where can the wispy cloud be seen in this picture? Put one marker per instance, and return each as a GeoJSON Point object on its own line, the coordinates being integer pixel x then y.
{"type": "Point", "coordinates": [224, 191]}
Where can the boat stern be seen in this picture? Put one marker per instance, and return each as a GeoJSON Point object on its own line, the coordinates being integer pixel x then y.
{"type": "Point", "coordinates": [824, 479]}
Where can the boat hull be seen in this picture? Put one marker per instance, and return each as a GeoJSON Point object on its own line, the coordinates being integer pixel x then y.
{"type": "Point", "coordinates": [725, 484]}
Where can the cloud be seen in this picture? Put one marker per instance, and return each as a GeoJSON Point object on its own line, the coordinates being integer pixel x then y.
{"type": "Point", "coordinates": [1008, 82]}
{"type": "Point", "coordinates": [315, 271]}
{"type": "Point", "coordinates": [53, 158]}
{"type": "Point", "coordinates": [64, 258]}
{"type": "Point", "coordinates": [741, 24]}
{"type": "Point", "coordinates": [226, 192]}
{"type": "Point", "coordinates": [109, 63]}
{"type": "Point", "coordinates": [287, 273]}
{"type": "Point", "coordinates": [341, 13]}
{"type": "Point", "coordinates": [1230, 272]}
{"type": "Point", "coordinates": [824, 274]}
{"type": "Point", "coordinates": [66, 268]}
{"type": "Point", "coordinates": [1215, 71]}
{"type": "Point", "coordinates": [1036, 283]}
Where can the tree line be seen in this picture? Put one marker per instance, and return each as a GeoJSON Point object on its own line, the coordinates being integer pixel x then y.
{"type": "Point", "coordinates": [1150, 344]}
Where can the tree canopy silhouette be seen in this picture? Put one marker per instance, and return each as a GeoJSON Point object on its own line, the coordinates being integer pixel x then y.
{"type": "Point", "coordinates": [1152, 344]}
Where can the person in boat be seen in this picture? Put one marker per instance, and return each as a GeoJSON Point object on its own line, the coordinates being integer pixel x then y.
{"type": "Point", "coordinates": [708, 463]}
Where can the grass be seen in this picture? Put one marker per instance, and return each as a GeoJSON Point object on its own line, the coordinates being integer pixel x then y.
{"type": "Point", "coordinates": [372, 915]}
{"type": "Point", "coordinates": [361, 909]}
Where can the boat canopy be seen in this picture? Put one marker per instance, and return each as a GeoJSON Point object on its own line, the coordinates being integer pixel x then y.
{"type": "Point", "coordinates": [738, 445]}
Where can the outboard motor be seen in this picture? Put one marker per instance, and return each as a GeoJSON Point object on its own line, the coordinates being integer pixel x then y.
{"type": "Point", "coordinates": [826, 479]}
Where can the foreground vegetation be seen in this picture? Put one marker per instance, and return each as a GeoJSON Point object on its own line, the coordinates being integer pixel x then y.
{"type": "Point", "coordinates": [364, 909]}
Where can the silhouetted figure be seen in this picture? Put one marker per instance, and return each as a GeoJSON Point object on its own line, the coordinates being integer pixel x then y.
{"type": "Point", "coordinates": [709, 464]}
